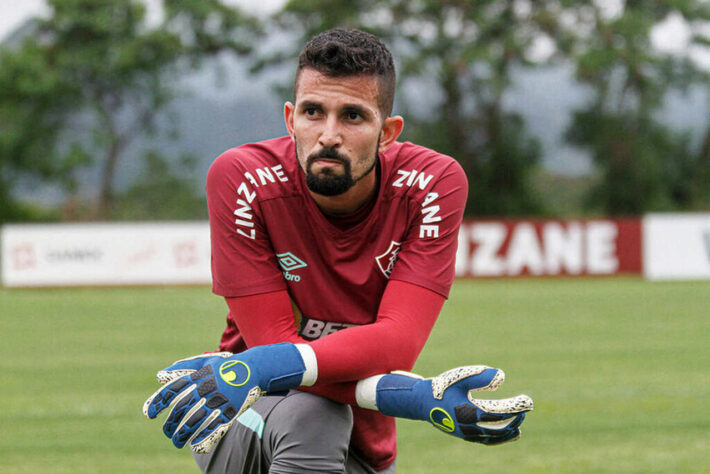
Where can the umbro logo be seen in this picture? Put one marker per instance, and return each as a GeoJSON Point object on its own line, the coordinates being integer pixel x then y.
{"type": "Point", "coordinates": [289, 262]}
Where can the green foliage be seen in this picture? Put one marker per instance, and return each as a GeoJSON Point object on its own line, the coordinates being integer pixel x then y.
{"type": "Point", "coordinates": [92, 78]}
{"type": "Point", "coordinates": [32, 98]}
{"type": "Point", "coordinates": [645, 166]}
{"type": "Point", "coordinates": [99, 63]}
{"type": "Point", "coordinates": [162, 194]}
{"type": "Point", "coordinates": [466, 50]}
{"type": "Point", "coordinates": [563, 196]}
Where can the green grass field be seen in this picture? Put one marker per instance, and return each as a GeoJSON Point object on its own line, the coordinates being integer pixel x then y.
{"type": "Point", "coordinates": [619, 370]}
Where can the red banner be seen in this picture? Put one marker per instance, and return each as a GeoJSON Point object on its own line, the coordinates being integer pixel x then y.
{"type": "Point", "coordinates": [539, 247]}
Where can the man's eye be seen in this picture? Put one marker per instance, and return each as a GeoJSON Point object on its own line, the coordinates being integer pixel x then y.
{"type": "Point", "coordinates": [353, 115]}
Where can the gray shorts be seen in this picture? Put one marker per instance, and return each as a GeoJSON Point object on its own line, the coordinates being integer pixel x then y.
{"type": "Point", "coordinates": [294, 433]}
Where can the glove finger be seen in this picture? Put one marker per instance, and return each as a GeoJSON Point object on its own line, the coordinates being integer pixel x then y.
{"type": "Point", "coordinates": [513, 435]}
{"type": "Point", "coordinates": [208, 438]}
{"type": "Point", "coordinates": [187, 366]}
{"type": "Point", "coordinates": [471, 377]}
{"type": "Point", "coordinates": [475, 435]}
{"type": "Point", "coordinates": [505, 422]}
{"type": "Point", "coordinates": [164, 396]}
{"type": "Point", "coordinates": [519, 404]}
{"type": "Point", "coordinates": [216, 426]}
{"type": "Point", "coordinates": [191, 422]}
{"type": "Point", "coordinates": [183, 403]}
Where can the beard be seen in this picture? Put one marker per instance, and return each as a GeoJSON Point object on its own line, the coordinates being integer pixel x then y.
{"type": "Point", "coordinates": [327, 182]}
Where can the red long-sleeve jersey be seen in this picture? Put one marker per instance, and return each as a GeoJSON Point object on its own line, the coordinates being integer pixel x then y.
{"type": "Point", "coordinates": [364, 289]}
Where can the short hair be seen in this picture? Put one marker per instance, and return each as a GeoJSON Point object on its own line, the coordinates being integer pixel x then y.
{"type": "Point", "coordinates": [340, 52]}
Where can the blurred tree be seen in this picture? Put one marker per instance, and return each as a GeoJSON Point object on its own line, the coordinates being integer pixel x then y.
{"type": "Point", "coordinates": [146, 198]}
{"type": "Point", "coordinates": [99, 64]}
{"type": "Point", "coordinates": [644, 164]}
{"type": "Point", "coordinates": [462, 53]}
{"type": "Point", "coordinates": [32, 100]}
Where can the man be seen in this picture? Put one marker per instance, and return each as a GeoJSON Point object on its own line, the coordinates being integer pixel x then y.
{"type": "Point", "coordinates": [342, 241]}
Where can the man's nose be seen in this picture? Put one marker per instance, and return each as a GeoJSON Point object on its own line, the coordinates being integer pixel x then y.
{"type": "Point", "coordinates": [331, 136]}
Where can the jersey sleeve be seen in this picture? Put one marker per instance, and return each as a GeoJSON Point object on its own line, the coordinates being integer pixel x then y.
{"type": "Point", "coordinates": [277, 324]}
{"type": "Point", "coordinates": [405, 318]}
{"type": "Point", "coordinates": [428, 254]}
{"type": "Point", "coordinates": [243, 260]}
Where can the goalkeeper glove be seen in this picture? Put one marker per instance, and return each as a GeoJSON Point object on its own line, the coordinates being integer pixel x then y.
{"type": "Point", "coordinates": [445, 401]}
{"type": "Point", "coordinates": [210, 391]}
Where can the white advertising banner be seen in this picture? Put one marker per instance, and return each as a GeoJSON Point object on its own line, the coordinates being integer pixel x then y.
{"type": "Point", "coordinates": [105, 254]}
{"type": "Point", "coordinates": [676, 246]}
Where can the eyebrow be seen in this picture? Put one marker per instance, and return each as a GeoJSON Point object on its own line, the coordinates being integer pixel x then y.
{"type": "Point", "coordinates": [359, 109]}
{"type": "Point", "coordinates": [309, 104]}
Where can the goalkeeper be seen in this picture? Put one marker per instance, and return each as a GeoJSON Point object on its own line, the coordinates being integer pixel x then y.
{"type": "Point", "coordinates": [334, 248]}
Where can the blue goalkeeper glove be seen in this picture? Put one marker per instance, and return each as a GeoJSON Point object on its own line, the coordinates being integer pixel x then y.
{"type": "Point", "coordinates": [446, 402]}
{"type": "Point", "coordinates": [209, 391]}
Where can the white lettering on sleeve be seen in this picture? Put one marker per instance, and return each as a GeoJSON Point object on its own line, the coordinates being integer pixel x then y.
{"type": "Point", "coordinates": [422, 180]}
{"type": "Point", "coordinates": [265, 174]}
{"type": "Point", "coordinates": [244, 191]}
{"type": "Point", "coordinates": [279, 172]}
{"type": "Point", "coordinates": [399, 182]}
{"type": "Point", "coordinates": [428, 231]}
{"type": "Point", "coordinates": [429, 198]}
{"type": "Point", "coordinates": [430, 216]}
{"type": "Point", "coordinates": [251, 179]}
{"type": "Point", "coordinates": [244, 212]}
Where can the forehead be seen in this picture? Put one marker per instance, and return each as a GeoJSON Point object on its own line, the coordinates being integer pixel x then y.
{"type": "Point", "coordinates": [317, 87]}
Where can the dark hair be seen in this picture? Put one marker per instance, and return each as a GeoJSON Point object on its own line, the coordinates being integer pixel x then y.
{"type": "Point", "coordinates": [343, 52]}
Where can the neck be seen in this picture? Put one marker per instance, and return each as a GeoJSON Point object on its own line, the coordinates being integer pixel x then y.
{"type": "Point", "coordinates": [352, 199]}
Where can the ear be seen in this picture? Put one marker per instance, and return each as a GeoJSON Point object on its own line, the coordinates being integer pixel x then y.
{"type": "Point", "coordinates": [391, 130]}
{"type": "Point", "coordinates": [288, 118]}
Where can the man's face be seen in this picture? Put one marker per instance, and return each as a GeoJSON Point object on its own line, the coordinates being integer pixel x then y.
{"type": "Point", "coordinates": [336, 124]}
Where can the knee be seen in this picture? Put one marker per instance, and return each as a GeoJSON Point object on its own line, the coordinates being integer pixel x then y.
{"type": "Point", "coordinates": [305, 409]}
{"type": "Point", "coordinates": [308, 433]}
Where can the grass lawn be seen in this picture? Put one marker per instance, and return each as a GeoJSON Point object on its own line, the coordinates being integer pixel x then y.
{"type": "Point", "coordinates": [619, 370]}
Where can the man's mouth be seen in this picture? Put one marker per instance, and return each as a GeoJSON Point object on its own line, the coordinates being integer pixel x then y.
{"type": "Point", "coordinates": [327, 162]}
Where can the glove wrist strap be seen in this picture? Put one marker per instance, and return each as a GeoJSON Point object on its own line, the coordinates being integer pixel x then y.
{"type": "Point", "coordinates": [309, 360]}
{"type": "Point", "coordinates": [366, 392]}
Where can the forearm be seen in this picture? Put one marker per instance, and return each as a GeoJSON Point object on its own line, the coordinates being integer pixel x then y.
{"type": "Point", "coordinates": [406, 316]}
{"type": "Point", "coordinates": [281, 327]}
{"type": "Point", "coordinates": [393, 342]}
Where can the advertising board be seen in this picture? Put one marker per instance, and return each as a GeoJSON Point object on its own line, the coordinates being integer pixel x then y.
{"type": "Point", "coordinates": [676, 246]}
{"type": "Point", "coordinates": [101, 254]}
{"type": "Point", "coordinates": [542, 247]}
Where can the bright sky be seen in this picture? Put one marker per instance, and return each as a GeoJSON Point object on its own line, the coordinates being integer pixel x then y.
{"type": "Point", "coordinates": [14, 12]}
